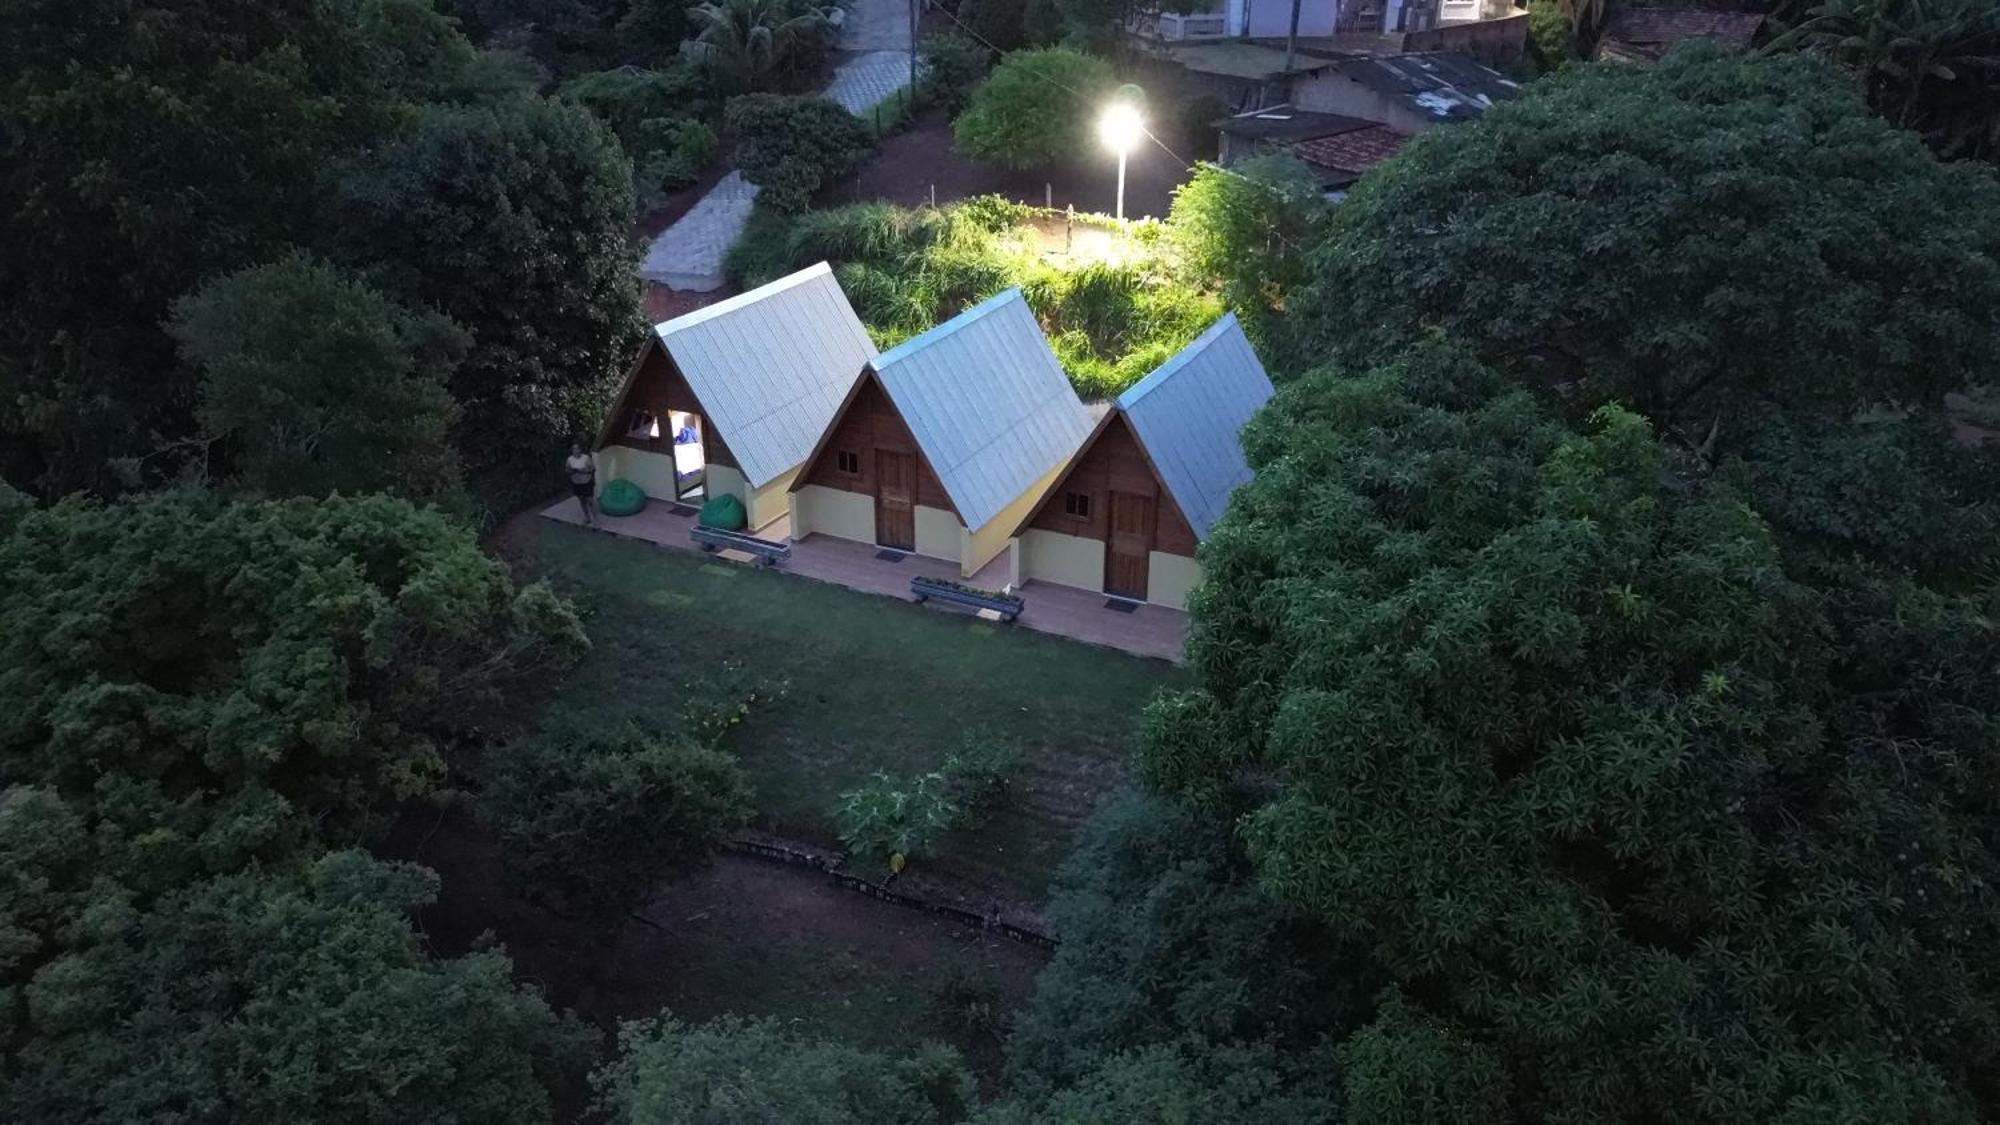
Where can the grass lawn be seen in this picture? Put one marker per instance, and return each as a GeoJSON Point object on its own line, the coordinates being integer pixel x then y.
{"type": "Point", "coordinates": [873, 684]}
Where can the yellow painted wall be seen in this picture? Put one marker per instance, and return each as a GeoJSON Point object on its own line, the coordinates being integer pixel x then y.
{"type": "Point", "coordinates": [1169, 578]}
{"type": "Point", "coordinates": [991, 538]}
{"type": "Point", "coordinates": [772, 500]}
{"type": "Point", "coordinates": [652, 472]}
{"type": "Point", "coordinates": [720, 479]}
{"type": "Point", "coordinates": [818, 510]}
{"type": "Point", "coordinates": [939, 534]}
{"type": "Point", "coordinates": [1070, 560]}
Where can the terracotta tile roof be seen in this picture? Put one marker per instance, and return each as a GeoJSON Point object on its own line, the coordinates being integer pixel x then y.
{"type": "Point", "coordinates": [1355, 151]}
{"type": "Point", "coordinates": [1651, 32]}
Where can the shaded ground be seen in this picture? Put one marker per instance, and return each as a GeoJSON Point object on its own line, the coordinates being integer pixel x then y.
{"type": "Point", "coordinates": [740, 936]}
{"type": "Point", "coordinates": [873, 684]}
{"type": "Point", "coordinates": [905, 168]}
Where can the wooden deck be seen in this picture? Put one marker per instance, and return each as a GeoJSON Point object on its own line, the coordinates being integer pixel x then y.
{"type": "Point", "coordinates": [1080, 615]}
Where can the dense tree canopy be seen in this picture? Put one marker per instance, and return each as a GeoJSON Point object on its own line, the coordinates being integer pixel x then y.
{"type": "Point", "coordinates": [733, 1070]}
{"type": "Point", "coordinates": [1245, 232]}
{"type": "Point", "coordinates": [229, 679]}
{"type": "Point", "coordinates": [1692, 238]}
{"type": "Point", "coordinates": [315, 383]}
{"type": "Point", "coordinates": [251, 997]}
{"type": "Point", "coordinates": [514, 220]}
{"type": "Point", "coordinates": [1037, 108]}
{"type": "Point", "coordinates": [1644, 816]}
{"type": "Point", "coordinates": [145, 147]}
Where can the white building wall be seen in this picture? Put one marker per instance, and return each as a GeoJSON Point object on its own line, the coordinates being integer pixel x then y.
{"type": "Point", "coordinates": [1169, 578]}
{"type": "Point", "coordinates": [818, 510]}
{"type": "Point", "coordinates": [1069, 560]}
{"type": "Point", "coordinates": [939, 534]}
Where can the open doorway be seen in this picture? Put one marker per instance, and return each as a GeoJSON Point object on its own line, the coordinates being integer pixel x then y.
{"type": "Point", "coordinates": [690, 460]}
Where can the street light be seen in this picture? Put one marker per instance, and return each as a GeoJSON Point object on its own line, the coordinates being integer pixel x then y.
{"type": "Point", "coordinates": [1120, 129]}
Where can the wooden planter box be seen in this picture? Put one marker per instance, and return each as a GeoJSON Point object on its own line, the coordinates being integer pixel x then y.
{"type": "Point", "coordinates": [1008, 606]}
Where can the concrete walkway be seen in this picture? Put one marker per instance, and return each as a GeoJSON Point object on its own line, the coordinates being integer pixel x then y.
{"type": "Point", "coordinates": [875, 44]}
{"type": "Point", "coordinates": [1065, 611]}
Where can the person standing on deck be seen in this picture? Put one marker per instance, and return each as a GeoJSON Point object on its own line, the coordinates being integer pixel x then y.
{"type": "Point", "coordinates": [582, 470]}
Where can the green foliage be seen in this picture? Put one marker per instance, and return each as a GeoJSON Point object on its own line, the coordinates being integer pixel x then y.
{"type": "Point", "coordinates": [1595, 761]}
{"type": "Point", "coordinates": [1237, 1084]}
{"type": "Point", "coordinates": [733, 1070]}
{"type": "Point", "coordinates": [229, 679]}
{"type": "Point", "coordinates": [515, 221]}
{"type": "Point", "coordinates": [1111, 319]}
{"type": "Point", "coordinates": [1925, 66]}
{"type": "Point", "coordinates": [1038, 108]}
{"type": "Point", "coordinates": [749, 45]}
{"type": "Point", "coordinates": [1695, 238]}
{"type": "Point", "coordinates": [1549, 42]}
{"type": "Point", "coordinates": [793, 146]}
{"type": "Point", "coordinates": [146, 151]}
{"type": "Point", "coordinates": [317, 383]}
{"type": "Point", "coordinates": [888, 816]}
{"type": "Point", "coordinates": [1001, 23]}
{"type": "Point", "coordinates": [1166, 940]}
{"type": "Point", "coordinates": [953, 65]}
{"type": "Point", "coordinates": [250, 997]}
{"type": "Point", "coordinates": [1246, 231]}
{"type": "Point", "coordinates": [593, 816]}
{"type": "Point", "coordinates": [660, 119]}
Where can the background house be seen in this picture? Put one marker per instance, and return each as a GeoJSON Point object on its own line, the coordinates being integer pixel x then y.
{"type": "Point", "coordinates": [730, 398]}
{"type": "Point", "coordinates": [1339, 149]}
{"type": "Point", "coordinates": [946, 440]}
{"type": "Point", "coordinates": [1128, 511]}
{"type": "Point", "coordinates": [1407, 93]}
{"type": "Point", "coordinates": [1635, 34]}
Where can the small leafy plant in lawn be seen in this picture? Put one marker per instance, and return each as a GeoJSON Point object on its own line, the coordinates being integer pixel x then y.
{"type": "Point", "coordinates": [895, 818]}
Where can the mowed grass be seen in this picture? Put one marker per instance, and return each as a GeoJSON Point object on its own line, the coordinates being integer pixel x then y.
{"type": "Point", "coordinates": [872, 684]}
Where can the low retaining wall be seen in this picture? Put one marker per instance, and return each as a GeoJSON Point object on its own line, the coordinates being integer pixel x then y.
{"type": "Point", "coordinates": [795, 857]}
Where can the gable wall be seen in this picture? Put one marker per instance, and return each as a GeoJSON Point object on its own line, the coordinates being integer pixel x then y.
{"type": "Point", "coordinates": [658, 388]}
{"type": "Point", "coordinates": [871, 423]}
{"type": "Point", "coordinates": [1115, 463]}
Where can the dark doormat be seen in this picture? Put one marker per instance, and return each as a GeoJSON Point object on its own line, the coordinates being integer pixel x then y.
{"type": "Point", "coordinates": [1120, 605]}
{"type": "Point", "coordinates": [682, 510]}
{"type": "Point", "coordinates": [887, 554]}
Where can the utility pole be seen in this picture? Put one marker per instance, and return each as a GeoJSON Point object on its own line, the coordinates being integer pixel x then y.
{"type": "Point", "coordinates": [912, 99]}
{"type": "Point", "coordinates": [1292, 39]}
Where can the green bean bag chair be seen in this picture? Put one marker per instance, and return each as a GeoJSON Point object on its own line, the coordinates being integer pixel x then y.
{"type": "Point", "coordinates": [621, 498]}
{"type": "Point", "coordinates": [725, 512]}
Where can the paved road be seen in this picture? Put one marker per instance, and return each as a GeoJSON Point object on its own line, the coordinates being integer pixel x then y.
{"type": "Point", "coordinates": [875, 44]}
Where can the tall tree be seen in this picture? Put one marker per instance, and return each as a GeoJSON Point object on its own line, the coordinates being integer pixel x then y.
{"type": "Point", "coordinates": [1696, 238]}
{"type": "Point", "coordinates": [514, 220]}
{"type": "Point", "coordinates": [750, 45]}
{"type": "Point", "coordinates": [146, 145]}
{"type": "Point", "coordinates": [1645, 818]}
{"type": "Point", "coordinates": [315, 383]}
{"type": "Point", "coordinates": [233, 679]}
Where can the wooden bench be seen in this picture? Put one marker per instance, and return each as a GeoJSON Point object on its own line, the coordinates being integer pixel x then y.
{"type": "Point", "coordinates": [764, 551]}
{"type": "Point", "coordinates": [1008, 606]}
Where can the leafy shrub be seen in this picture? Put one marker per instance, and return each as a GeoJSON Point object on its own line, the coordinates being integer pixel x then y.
{"type": "Point", "coordinates": [994, 213]}
{"type": "Point", "coordinates": [628, 97]}
{"type": "Point", "coordinates": [595, 815]}
{"type": "Point", "coordinates": [761, 252]}
{"type": "Point", "coordinates": [999, 22]}
{"type": "Point", "coordinates": [735, 1070]}
{"type": "Point", "coordinates": [1038, 108]}
{"type": "Point", "coordinates": [888, 816]}
{"type": "Point", "coordinates": [1548, 34]}
{"type": "Point", "coordinates": [668, 154]}
{"type": "Point", "coordinates": [953, 64]}
{"type": "Point", "coordinates": [793, 146]}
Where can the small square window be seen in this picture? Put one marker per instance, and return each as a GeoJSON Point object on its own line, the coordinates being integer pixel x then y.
{"type": "Point", "coordinates": [849, 462]}
{"type": "Point", "coordinates": [1077, 504]}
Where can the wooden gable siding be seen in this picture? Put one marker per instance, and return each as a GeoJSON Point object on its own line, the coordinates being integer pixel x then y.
{"type": "Point", "coordinates": [1114, 462]}
{"type": "Point", "coordinates": [656, 387]}
{"type": "Point", "coordinates": [869, 423]}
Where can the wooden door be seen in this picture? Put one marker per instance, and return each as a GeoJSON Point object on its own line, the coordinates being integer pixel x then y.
{"type": "Point", "coordinates": [896, 499]}
{"type": "Point", "coordinates": [1128, 546]}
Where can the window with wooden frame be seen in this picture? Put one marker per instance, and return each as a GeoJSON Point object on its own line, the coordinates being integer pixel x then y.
{"type": "Point", "coordinates": [848, 461]}
{"type": "Point", "coordinates": [1076, 504]}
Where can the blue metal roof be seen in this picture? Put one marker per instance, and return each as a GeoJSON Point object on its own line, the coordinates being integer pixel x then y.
{"type": "Point", "coordinates": [771, 366]}
{"type": "Point", "coordinates": [987, 402]}
{"type": "Point", "coordinates": [1188, 412]}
